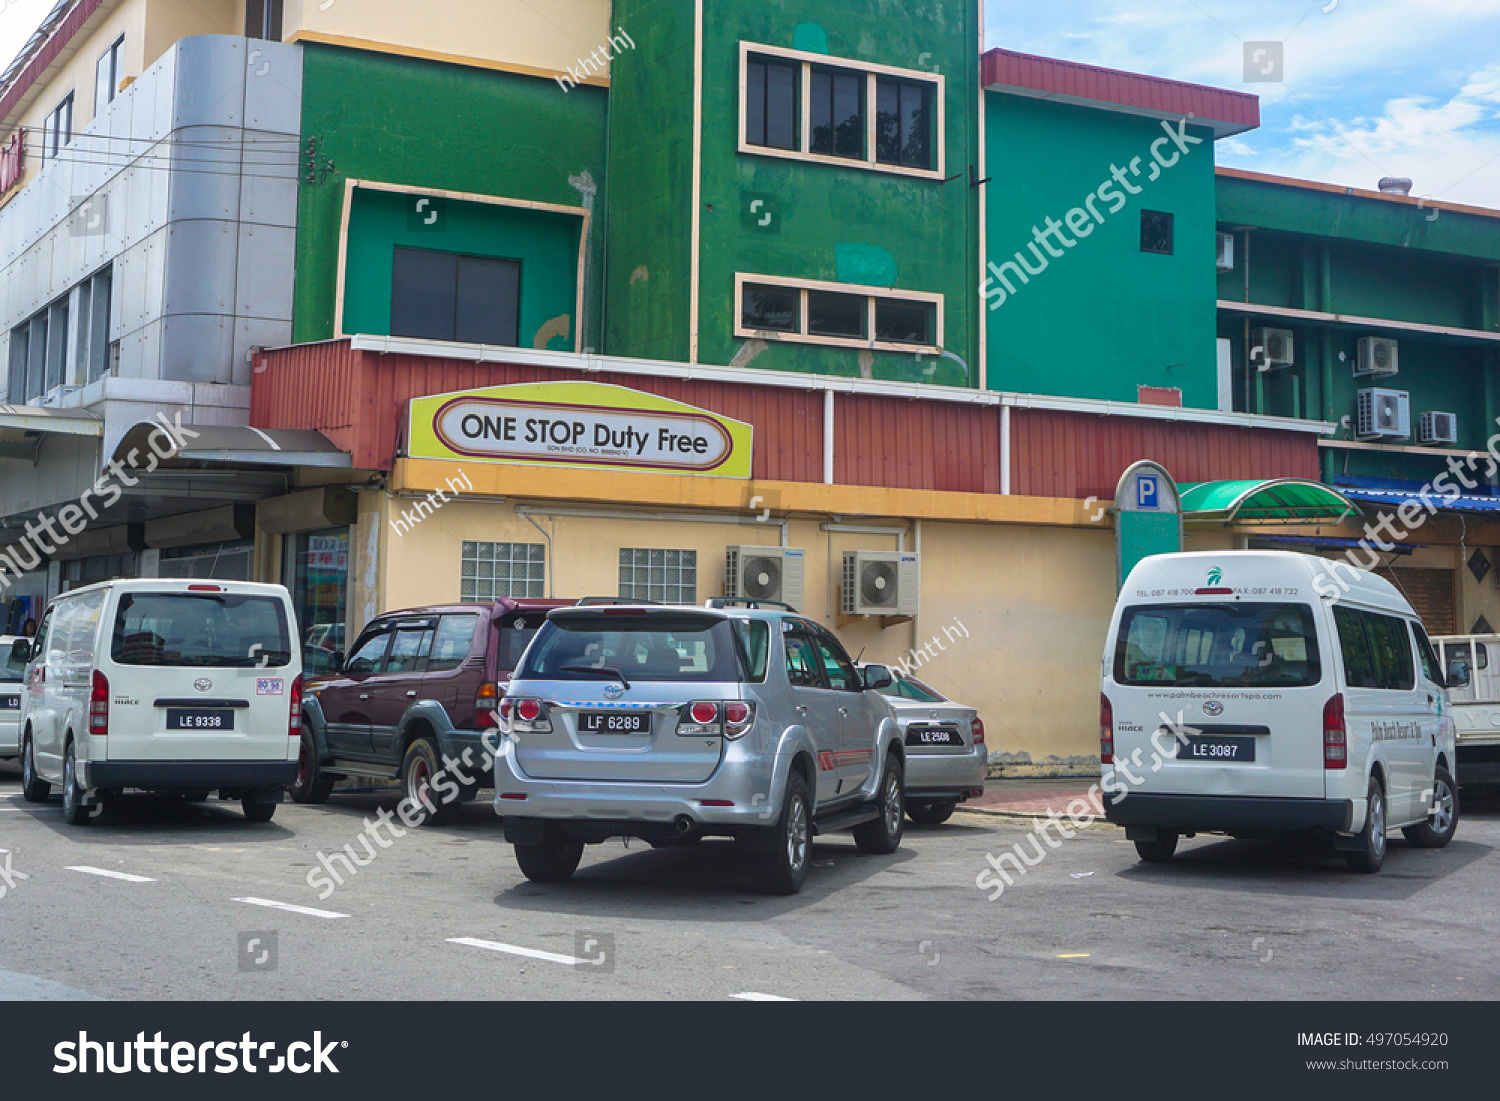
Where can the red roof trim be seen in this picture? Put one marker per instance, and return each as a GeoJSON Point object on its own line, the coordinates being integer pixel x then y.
{"type": "Point", "coordinates": [72, 23]}
{"type": "Point", "coordinates": [1089, 85]}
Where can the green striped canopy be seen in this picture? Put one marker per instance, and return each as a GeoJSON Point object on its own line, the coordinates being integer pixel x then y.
{"type": "Point", "coordinates": [1279, 500]}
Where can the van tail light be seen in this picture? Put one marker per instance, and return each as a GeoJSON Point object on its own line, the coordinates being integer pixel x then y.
{"type": "Point", "coordinates": [294, 719]}
{"type": "Point", "coordinates": [99, 706]}
{"type": "Point", "coordinates": [976, 732]}
{"type": "Point", "coordinates": [1335, 733]}
{"type": "Point", "coordinates": [527, 716]}
{"type": "Point", "coordinates": [486, 702]}
{"type": "Point", "coordinates": [1106, 731]}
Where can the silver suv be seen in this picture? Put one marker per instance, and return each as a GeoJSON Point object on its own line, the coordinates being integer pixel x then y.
{"type": "Point", "coordinates": [676, 723]}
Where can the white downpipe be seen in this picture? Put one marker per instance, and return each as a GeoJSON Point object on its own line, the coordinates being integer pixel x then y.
{"type": "Point", "coordinates": [828, 437]}
{"type": "Point", "coordinates": [1005, 449]}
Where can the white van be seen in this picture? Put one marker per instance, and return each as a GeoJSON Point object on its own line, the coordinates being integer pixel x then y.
{"type": "Point", "coordinates": [1256, 693]}
{"type": "Point", "coordinates": [179, 687]}
{"type": "Point", "coordinates": [13, 650]}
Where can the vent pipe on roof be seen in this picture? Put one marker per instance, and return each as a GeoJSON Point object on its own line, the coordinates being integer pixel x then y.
{"type": "Point", "coordinates": [1395, 185]}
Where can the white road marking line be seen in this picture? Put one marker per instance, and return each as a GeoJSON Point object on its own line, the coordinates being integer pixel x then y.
{"type": "Point", "coordinates": [112, 875]}
{"type": "Point", "coordinates": [752, 996]}
{"type": "Point", "coordinates": [517, 950]}
{"type": "Point", "coordinates": [308, 910]}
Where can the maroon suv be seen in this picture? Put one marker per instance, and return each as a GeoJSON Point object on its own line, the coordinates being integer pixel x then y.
{"type": "Point", "coordinates": [417, 689]}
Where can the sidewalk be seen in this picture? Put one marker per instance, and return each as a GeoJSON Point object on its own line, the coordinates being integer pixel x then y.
{"type": "Point", "coordinates": [1033, 798]}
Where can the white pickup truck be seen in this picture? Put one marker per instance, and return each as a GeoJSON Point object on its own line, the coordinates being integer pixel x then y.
{"type": "Point", "coordinates": [1473, 665]}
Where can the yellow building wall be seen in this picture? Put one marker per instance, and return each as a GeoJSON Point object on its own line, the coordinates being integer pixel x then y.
{"type": "Point", "coordinates": [547, 35]}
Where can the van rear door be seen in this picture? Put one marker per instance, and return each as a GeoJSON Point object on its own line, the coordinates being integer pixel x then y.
{"type": "Point", "coordinates": [1219, 697]}
{"type": "Point", "coordinates": [198, 672]}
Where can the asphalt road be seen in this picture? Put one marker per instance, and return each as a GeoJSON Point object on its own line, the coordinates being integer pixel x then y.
{"type": "Point", "coordinates": [444, 913]}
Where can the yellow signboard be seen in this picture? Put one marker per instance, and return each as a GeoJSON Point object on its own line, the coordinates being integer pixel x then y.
{"type": "Point", "coordinates": [578, 424]}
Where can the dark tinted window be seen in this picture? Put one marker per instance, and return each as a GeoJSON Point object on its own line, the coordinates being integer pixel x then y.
{"type": "Point", "coordinates": [1218, 646]}
{"type": "Point", "coordinates": [444, 296]}
{"type": "Point", "coordinates": [803, 668]}
{"type": "Point", "coordinates": [451, 642]}
{"type": "Point", "coordinates": [831, 314]}
{"type": "Point", "coordinates": [369, 652]}
{"type": "Point", "coordinates": [646, 648]}
{"type": "Point", "coordinates": [837, 667]}
{"type": "Point", "coordinates": [772, 308]}
{"type": "Point", "coordinates": [1427, 656]}
{"type": "Point", "coordinates": [408, 649]}
{"type": "Point", "coordinates": [903, 322]}
{"type": "Point", "coordinates": [771, 103]}
{"type": "Point", "coordinates": [1376, 649]}
{"type": "Point", "coordinates": [837, 107]}
{"type": "Point", "coordinates": [13, 668]}
{"type": "Point", "coordinates": [208, 630]}
{"type": "Point", "coordinates": [755, 640]}
{"type": "Point", "coordinates": [1156, 232]}
{"type": "Point", "coordinates": [903, 123]}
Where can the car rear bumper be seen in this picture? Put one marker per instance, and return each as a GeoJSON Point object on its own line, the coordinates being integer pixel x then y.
{"type": "Point", "coordinates": [1207, 813]}
{"type": "Point", "coordinates": [10, 739]}
{"type": "Point", "coordinates": [943, 774]}
{"type": "Point", "coordinates": [187, 775]}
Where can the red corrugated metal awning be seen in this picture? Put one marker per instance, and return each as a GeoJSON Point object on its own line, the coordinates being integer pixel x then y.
{"type": "Point", "coordinates": [1113, 90]}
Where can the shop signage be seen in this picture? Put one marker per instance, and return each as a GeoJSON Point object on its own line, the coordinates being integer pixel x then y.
{"type": "Point", "coordinates": [12, 161]}
{"type": "Point", "coordinates": [578, 424]}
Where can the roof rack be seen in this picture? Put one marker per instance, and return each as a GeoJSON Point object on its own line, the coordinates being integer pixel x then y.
{"type": "Point", "coordinates": [746, 602]}
{"type": "Point", "coordinates": [595, 601]}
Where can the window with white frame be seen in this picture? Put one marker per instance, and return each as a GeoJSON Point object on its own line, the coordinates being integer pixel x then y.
{"type": "Point", "coordinates": [813, 107]}
{"type": "Point", "coordinates": [840, 314]}
{"type": "Point", "coordinates": [665, 576]}
{"type": "Point", "coordinates": [57, 130]}
{"type": "Point", "coordinates": [107, 74]}
{"type": "Point", "coordinates": [493, 570]}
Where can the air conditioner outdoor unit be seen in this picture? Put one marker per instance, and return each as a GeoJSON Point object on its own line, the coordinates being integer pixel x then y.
{"type": "Point", "coordinates": [1439, 427]}
{"type": "Point", "coordinates": [880, 583]}
{"type": "Point", "coordinates": [1377, 356]}
{"type": "Point", "coordinates": [1270, 349]}
{"type": "Point", "coordinates": [765, 573]}
{"type": "Point", "coordinates": [1383, 415]}
{"type": "Point", "coordinates": [1226, 252]}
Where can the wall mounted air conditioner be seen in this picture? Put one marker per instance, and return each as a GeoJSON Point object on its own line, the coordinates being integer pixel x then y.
{"type": "Point", "coordinates": [1438, 428]}
{"type": "Point", "coordinates": [765, 573]}
{"type": "Point", "coordinates": [880, 583]}
{"type": "Point", "coordinates": [1226, 252]}
{"type": "Point", "coordinates": [1382, 415]}
{"type": "Point", "coordinates": [1270, 349]}
{"type": "Point", "coordinates": [1377, 356]}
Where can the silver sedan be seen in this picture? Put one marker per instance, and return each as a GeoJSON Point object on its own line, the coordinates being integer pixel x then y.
{"type": "Point", "coordinates": [945, 751]}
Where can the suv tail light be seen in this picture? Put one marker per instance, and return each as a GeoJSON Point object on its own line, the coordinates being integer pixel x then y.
{"type": "Point", "coordinates": [99, 706]}
{"type": "Point", "coordinates": [486, 703]}
{"type": "Point", "coordinates": [715, 719]}
{"type": "Point", "coordinates": [739, 717]}
{"type": "Point", "coordinates": [526, 716]}
{"type": "Point", "coordinates": [976, 731]}
{"type": "Point", "coordinates": [1106, 731]}
{"type": "Point", "coordinates": [294, 720]}
{"type": "Point", "coordinates": [1335, 736]}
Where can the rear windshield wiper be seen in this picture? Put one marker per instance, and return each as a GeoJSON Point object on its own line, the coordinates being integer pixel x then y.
{"type": "Point", "coordinates": [596, 670]}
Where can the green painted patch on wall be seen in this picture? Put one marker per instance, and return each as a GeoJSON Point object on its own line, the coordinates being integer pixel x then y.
{"type": "Point", "coordinates": [869, 265]}
{"type": "Point", "coordinates": [810, 37]}
{"type": "Point", "coordinates": [545, 243]}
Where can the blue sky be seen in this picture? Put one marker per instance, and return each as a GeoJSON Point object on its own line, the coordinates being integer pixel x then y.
{"type": "Point", "coordinates": [1370, 88]}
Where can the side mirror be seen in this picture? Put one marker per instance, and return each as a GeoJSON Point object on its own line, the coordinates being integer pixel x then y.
{"type": "Point", "coordinates": [877, 676]}
{"type": "Point", "coordinates": [1458, 674]}
{"type": "Point", "coordinates": [20, 650]}
{"type": "Point", "coordinates": [336, 661]}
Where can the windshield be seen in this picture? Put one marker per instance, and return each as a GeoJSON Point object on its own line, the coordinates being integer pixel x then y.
{"type": "Point", "coordinates": [1238, 645]}
{"type": "Point", "coordinates": [646, 648]}
{"type": "Point", "coordinates": [909, 688]}
{"type": "Point", "coordinates": [207, 630]}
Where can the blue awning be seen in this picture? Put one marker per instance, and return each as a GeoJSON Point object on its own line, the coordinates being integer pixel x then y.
{"type": "Point", "coordinates": [1397, 497]}
{"type": "Point", "coordinates": [1329, 541]}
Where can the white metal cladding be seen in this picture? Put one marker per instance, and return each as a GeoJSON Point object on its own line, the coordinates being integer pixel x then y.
{"type": "Point", "coordinates": [201, 236]}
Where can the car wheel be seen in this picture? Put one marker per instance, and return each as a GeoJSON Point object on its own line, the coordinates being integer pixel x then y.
{"type": "Point", "coordinates": [312, 785]}
{"type": "Point", "coordinates": [882, 836]}
{"type": "Point", "coordinates": [33, 788]}
{"type": "Point", "coordinates": [418, 768]}
{"type": "Point", "coordinates": [783, 868]}
{"type": "Point", "coordinates": [74, 812]}
{"type": "Point", "coordinates": [552, 860]}
{"type": "Point", "coordinates": [1371, 853]}
{"type": "Point", "coordinates": [1442, 823]}
{"type": "Point", "coordinates": [256, 811]}
{"type": "Point", "coordinates": [1159, 851]}
{"type": "Point", "coordinates": [931, 812]}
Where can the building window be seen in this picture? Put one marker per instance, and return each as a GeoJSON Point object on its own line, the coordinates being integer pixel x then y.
{"type": "Point", "coordinates": [57, 130]}
{"type": "Point", "coordinates": [771, 103]}
{"type": "Point", "coordinates": [809, 107]}
{"type": "Point", "coordinates": [1156, 232]}
{"type": "Point", "coordinates": [838, 314]}
{"type": "Point", "coordinates": [107, 75]}
{"type": "Point", "coordinates": [493, 570]}
{"type": "Point", "coordinates": [664, 576]}
{"type": "Point", "coordinates": [93, 325]}
{"type": "Point", "coordinates": [263, 19]}
{"type": "Point", "coordinates": [445, 296]}
{"type": "Point", "coordinates": [315, 568]}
